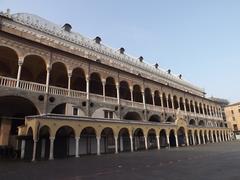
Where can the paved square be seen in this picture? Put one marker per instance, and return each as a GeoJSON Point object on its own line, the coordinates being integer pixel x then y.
{"type": "Point", "coordinates": [211, 161]}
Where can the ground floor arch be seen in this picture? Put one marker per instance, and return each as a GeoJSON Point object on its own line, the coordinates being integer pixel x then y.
{"type": "Point", "coordinates": [152, 139]}
{"type": "Point", "coordinates": [64, 144]}
{"type": "Point", "coordinates": [172, 139]}
{"type": "Point", "coordinates": [124, 142]}
{"type": "Point", "coordinates": [88, 141]}
{"type": "Point", "coordinates": [138, 139]}
{"type": "Point", "coordinates": [181, 137]}
{"type": "Point", "coordinates": [163, 138]}
{"type": "Point", "coordinates": [107, 141]}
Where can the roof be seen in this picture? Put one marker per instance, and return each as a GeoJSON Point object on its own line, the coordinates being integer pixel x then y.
{"type": "Point", "coordinates": [43, 25]}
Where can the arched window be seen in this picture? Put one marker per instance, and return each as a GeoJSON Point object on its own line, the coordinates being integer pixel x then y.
{"type": "Point", "coordinates": [110, 87]}
{"type": "Point", "coordinates": [95, 85]}
{"type": "Point", "coordinates": [137, 94]}
{"type": "Point", "coordinates": [148, 96]}
{"type": "Point", "coordinates": [157, 98]}
{"type": "Point", "coordinates": [125, 91]}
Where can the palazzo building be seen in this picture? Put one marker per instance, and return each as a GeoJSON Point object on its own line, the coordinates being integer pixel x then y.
{"type": "Point", "coordinates": [232, 112]}
{"type": "Point", "coordinates": [62, 94]}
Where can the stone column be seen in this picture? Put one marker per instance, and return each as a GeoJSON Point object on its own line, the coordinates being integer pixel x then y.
{"type": "Point", "coordinates": [146, 142]}
{"type": "Point", "coordinates": [98, 145]}
{"type": "Point", "coordinates": [193, 138]}
{"type": "Point", "coordinates": [20, 63]}
{"type": "Point", "coordinates": [199, 139]}
{"type": "Point", "coordinates": [131, 91]}
{"type": "Point", "coordinates": [212, 137]}
{"type": "Point", "coordinates": [34, 149]}
{"type": "Point", "coordinates": [153, 99]}
{"type": "Point", "coordinates": [161, 99]}
{"type": "Point", "coordinates": [131, 143]}
{"type": "Point", "coordinates": [168, 142]}
{"type": "Point", "coordinates": [51, 155]}
{"type": "Point", "coordinates": [104, 93]}
{"type": "Point", "coordinates": [77, 147]}
{"type": "Point", "coordinates": [118, 93]}
{"type": "Point", "coordinates": [144, 101]}
{"type": "Point", "coordinates": [167, 104]}
{"type": "Point", "coordinates": [187, 139]}
{"type": "Point", "coordinates": [176, 139]}
{"type": "Point", "coordinates": [69, 83]}
{"type": "Point", "coordinates": [204, 141]}
{"type": "Point", "coordinates": [23, 144]}
{"type": "Point", "coordinates": [47, 79]}
{"type": "Point", "coordinates": [158, 143]}
{"type": "Point", "coordinates": [87, 87]}
{"type": "Point", "coordinates": [116, 144]}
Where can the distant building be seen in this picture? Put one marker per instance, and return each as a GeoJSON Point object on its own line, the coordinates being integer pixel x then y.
{"type": "Point", "coordinates": [232, 112]}
{"type": "Point", "coordinates": [223, 103]}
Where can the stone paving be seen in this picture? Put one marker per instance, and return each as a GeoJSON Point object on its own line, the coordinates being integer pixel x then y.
{"type": "Point", "coordinates": [212, 161]}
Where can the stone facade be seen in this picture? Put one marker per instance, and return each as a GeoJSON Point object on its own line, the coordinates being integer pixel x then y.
{"type": "Point", "coordinates": [76, 93]}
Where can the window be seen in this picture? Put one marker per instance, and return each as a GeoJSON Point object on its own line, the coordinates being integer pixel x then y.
{"type": "Point", "coordinates": [235, 128]}
{"type": "Point", "coordinates": [239, 110]}
{"type": "Point", "coordinates": [75, 111]}
{"type": "Point", "coordinates": [233, 118]}
{"type": "Point", "coordinates": [108, 114]}
{"type": "Point", "coordinates": [232, 111]}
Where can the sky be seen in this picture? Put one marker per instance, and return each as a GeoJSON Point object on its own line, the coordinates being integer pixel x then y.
{"type": "Point", "coordinates": [199, 39]}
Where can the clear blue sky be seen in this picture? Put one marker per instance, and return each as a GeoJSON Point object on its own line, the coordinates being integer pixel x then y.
{"type": "Point", "coordinates": [197, 38]}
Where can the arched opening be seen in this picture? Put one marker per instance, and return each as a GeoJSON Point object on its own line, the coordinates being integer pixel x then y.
{"type": "Point", "coordinates": [137, 94]}
{"type": "Point", "coordinates": [196, 107]}
{"type": "Point", "coordinates": [181, 136]}
{"type": "Point", "coordinates": [148, 96]}
{"type": "Point", "coordinates": [191, 106]}
{"type": "Point", "coordinates": [34, 69]}
{"type": "Point", "coordinates": [164, 99]}
{"type": "Point", "coordinates": [28, 152]}
{"type": "Point", "coordinates": [124, 143]}
{"type": "Point", "coordinates": [155, 118]}
{"type": "Point", "coordinates": [201, 137]}
{"type": "Point", "coordinates": [172, 139]}
{"type": "Point", "coordinates": [138, 139]}
{"type": "Point", "coordinates": [190, 137]}
{"type": "Point", "coordinates": [110, 87]}
{"type": "Point", "coordinates": [192, 122]}
{"type": "Point", "coordinates": [88, 141]}
{"type": "Point", "coordinates": [175, 102]}
{"type": "Point", "coordinates": [201, 123]}
{"type": "Point", "coordinates": [152, 139]}
{"type": "Point", "coordinates": [170, 119]}
{"type": "Point", "coordinates": [208, 110]}
{"type": "Point", "coordinates": [107, 141]}
{"type": "Point", "coordinates": [214, 136]}
{"type": "Point", "coordinates": [196, 137]}
{"type": "Point", "coordinates": [125, 90]}
{"type": "Point", "coordinates": [187, 105]}
{"type": "Point", "coordinates": [59, 109]}
{"type": "Point", "coordinates": [157, 98]}
{"type": "Point", "coordinates": [181, 104]}
{"type": "Point", "coordinates": [13, 110]}
{"type": "Point", "coordinates": [95, 84]}
{"type": "Point", "coordinates": [205, 136]}
{"type": "Point", "coordinates": [204, 109]}
{"type": "Point", "coordinates": [200, 108]}
{"type": "Point", "coordinates": [221, 124]}
{"type": "Point", "coordinates": [43, 144]}
{"type": "Point", "coordinates": [59, 75]}
{"type": "Point", "coordinates": [163, 138]}
{"type": "Point", "coordinates": [64, 143]}
{"type": "Point", "coordinates": [210, 137]}
{"type": "Point", "coordinates": [8, 62]}
{"type": "Point", "coordinates": [132, 116]}
{"type": "Point", "coordinates": [78, 80]}
{"type": "Point", "coordinates": [169, 101]}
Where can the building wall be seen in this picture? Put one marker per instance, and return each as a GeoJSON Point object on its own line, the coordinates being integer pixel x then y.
{"type": "Point", "coordinates": [233, 116]}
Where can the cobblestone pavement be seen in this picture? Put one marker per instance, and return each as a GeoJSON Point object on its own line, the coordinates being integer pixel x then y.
{"type": "Point", "coordinates": [212, 161]}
